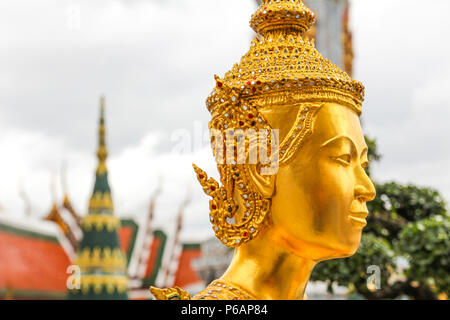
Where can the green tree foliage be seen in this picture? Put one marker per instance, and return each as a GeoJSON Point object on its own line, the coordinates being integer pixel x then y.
{"type": "Point", "coordinates": [352, 272]}
{"type": "Point", "coordinates": [426, 243]}
{"type": "Point", "coordinates": [405, 222]}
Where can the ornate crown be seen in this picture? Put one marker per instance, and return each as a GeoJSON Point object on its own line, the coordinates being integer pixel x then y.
{"type": "Point", "coordinates": [281, 66]}
{"type": "Point", "coordinates": [281, 61]}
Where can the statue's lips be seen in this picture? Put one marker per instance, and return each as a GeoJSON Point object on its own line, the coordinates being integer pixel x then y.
{"type": "Point", "coordinates": [359, 217]}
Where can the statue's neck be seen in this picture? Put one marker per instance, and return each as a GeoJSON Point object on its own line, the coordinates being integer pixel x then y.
{"type": "Point", "coordinates": [268, 271]}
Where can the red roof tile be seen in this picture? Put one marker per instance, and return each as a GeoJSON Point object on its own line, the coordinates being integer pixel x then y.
{"type": "Point", "coordinates": [186, 275]}
{"type": "Point", "coordinates": [125, 236]}
{"type": "Point", "coordinates": [32, 264]}
{"type": "Point", "coordinates": [154, 251]}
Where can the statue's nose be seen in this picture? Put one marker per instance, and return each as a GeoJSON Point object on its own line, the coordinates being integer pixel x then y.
{"type": "Point", "coordinates": [365, 190]}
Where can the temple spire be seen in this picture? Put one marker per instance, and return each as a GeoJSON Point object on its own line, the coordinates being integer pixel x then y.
{"type": "Point", "coordinates": [102, 262]}
{"type": "Point", "coordinates": [102, 152]}
{"type": "Point", "coordinates": [101, 201]}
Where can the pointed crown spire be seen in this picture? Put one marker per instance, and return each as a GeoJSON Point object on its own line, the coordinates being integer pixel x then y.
{"type": "Point", "coordinates": [282, 15]}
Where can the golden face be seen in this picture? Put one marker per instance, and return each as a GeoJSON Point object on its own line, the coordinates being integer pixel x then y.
{"type": "Point", "coordinates": [319, 206]}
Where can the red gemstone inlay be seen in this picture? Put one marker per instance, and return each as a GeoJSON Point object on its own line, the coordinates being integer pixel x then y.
{"type": "Point", "coordinates": [254, 89]}
{"type": "Point", "coordinates": [213, 188]}
{"type": "Point", "coordinates": [250, 116]}
{"type": "Point", "coordinates": [258, 82]}
{"type": "Point", "coordinates": [201, 176]}
{"type": "Point", "coordinates": [248, 82]}
{"type": "Point", "coordinates": [245, 234]}
{"type": "Point", "coordinates": [214, 207]}
{"type": "Point", "coordinates": [219, 84]}
{"type": "Point", "coordinates": [241, 123]}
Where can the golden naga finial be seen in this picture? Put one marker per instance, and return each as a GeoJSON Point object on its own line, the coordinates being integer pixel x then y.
{"type": "Point", "coordinates": [55, 216]}
{"type": "Point", "coordinates": [66, 200]}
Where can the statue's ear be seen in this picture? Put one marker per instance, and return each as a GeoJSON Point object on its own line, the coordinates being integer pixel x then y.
{"type": "Point", "coordinates": [264, 183]}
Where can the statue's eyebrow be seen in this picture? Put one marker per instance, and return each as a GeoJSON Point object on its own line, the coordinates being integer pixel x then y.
{"type": "Point", "coordinates": [346, 138]}
{"type": "Point", "coordinates": [335, 139]}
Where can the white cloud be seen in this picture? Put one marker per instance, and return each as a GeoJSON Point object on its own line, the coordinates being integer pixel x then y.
{"type": "Point", "coordinates": [27, 161]}
{"type": "Point", "coordinates": [401, 58]}
{"type": "Point", "coordinates": [154, 60]}
{"type": "Point", "coordinates": [418, 149]}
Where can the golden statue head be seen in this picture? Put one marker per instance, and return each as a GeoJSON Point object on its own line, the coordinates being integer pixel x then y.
{"type": "Point", "coordinates": [286, 134]}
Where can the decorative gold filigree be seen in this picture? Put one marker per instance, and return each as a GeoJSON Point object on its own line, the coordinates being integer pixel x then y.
{"type": "Point", "coordinates": [100, 222]}
{"type": "Point", "coordinates": [98, 282]}
{"type": "Point", "coordinates": [220, 290]}
{"type": "Point", "coordinates": [223, 208]}
{"type": "Point", "coordinates": [281, 15]}
{"type": "Point", "coordinates": [170, 294]}
{"type": "Point", "coordinates": [229, 115]}
{"type": "Point", "coordinates": [109, 260]}
{"type": "Point", "coordinates": [100, 201]}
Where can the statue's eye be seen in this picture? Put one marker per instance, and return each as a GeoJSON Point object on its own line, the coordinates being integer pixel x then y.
{"type": "Point", "coordinates": [344, 159]}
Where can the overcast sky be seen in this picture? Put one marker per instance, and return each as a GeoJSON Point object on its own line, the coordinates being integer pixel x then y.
{"type": "Point", "coordinates": [155, 60]}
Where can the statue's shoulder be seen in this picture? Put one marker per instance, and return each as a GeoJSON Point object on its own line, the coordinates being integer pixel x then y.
{"type": "Point", "coordinates": [170, 294]}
